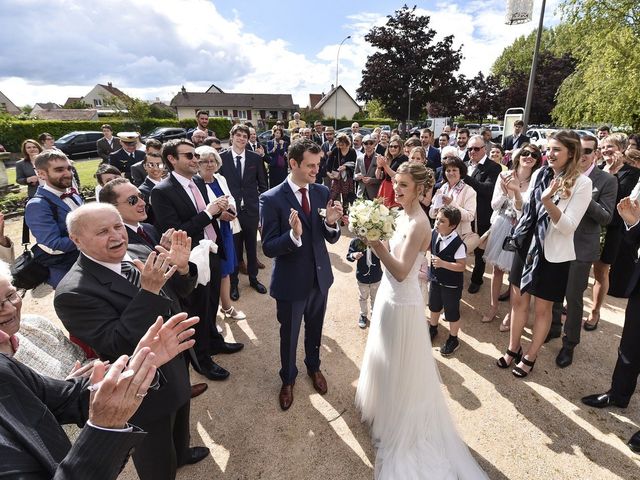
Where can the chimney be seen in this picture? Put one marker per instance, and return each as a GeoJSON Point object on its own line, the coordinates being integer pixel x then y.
{"type": "Point", "coordinates": [110, 85]}
{"type": "Point", "coordinates": [332, 86]}
{"type": "Point", "coordinates": [184, 91]}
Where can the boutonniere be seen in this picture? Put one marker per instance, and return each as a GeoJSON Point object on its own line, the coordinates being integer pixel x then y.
{"type": "Point", "coordinates": [322, 212]}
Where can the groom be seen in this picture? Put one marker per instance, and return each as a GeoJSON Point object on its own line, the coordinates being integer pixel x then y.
{"type": "Point", "coordinates": [294, 233]}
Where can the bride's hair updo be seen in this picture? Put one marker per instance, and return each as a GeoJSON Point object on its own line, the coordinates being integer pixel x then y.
{"type": "Point", "coordinates": [420, 174]}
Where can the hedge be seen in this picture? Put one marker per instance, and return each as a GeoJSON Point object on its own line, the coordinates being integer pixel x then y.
{"type": "Point", "coordinates": [14, 132]}
{"type": "Point", "coordinates": [368, 122]}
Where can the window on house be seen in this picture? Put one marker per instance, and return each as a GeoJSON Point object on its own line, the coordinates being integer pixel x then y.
{"type": "Point", "coordinates": [242, 114]}
{"type": "Point", "coordinates": [97, 102]}
{"type": "Point", "coordinates": [217, 113]}
{"type": "Point", "coordinates": [3, 107]}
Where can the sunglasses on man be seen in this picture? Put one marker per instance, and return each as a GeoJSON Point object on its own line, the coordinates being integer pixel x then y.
{"type": "Point", "coordinates": [133, 199]}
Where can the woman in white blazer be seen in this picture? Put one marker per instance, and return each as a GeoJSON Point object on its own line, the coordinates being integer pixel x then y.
{"type": "Point", "coordinates": [209, 162]}
{"type": "Point", "coordinates": [543, 241]}
{"type": "Point", "coordinates": [457, 193]}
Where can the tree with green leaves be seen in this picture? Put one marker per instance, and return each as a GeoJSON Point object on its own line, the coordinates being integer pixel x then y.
{"type": "Point", "coordinates": [605, 39]}
{"type": "Point", "coordinates": [409, 64]}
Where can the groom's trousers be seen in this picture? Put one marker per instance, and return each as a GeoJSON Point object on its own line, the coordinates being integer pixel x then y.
{"type": "Point", "coordinates": [290, 316]}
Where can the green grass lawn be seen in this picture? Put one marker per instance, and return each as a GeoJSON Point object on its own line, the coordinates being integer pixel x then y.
{"type": "Point", "coordinates": [86, 170]}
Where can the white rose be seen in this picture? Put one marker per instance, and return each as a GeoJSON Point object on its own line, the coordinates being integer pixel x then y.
{"type": "Point", "coordinates": [375, 216]}
{"type": "Point", "coordinates": [373, 234]}
{"type": "Point", "coordinates": [387, 227]}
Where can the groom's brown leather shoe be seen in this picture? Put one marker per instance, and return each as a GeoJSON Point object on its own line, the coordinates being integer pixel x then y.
{"type": "Point", "coordinates": [286, 396]}
{"type": "Point", "coordinates": [319, 382]}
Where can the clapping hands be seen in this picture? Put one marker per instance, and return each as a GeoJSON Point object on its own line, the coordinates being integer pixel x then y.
{"type": "Point", "coordinates": [180, 249]}
{"type": "Point", "coordinates": [334, 212]}
{"type": "Point", "coordinates": [629, 210]}
{"type": "Point", "coordinates": [155, 271]}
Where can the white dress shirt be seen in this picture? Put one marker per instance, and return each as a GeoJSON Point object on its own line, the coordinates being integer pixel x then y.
{"type": "Point", "coordinates": [184, 182]}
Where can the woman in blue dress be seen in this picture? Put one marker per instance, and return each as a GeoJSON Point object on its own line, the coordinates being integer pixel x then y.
{"type": "Point", "coordinates": [209, 161]}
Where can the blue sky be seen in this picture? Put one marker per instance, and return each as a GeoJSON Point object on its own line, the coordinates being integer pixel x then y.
{"type": "Point", "coordinates": [150, 48]}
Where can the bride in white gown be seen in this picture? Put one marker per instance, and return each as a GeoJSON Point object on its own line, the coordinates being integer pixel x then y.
{"type": "Point", "coordinates": [399, 391]}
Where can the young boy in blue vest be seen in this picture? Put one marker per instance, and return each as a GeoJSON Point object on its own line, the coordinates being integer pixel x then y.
{"type": "Point", "coordinates": [368, 275]}
{"type": "Point", "coordinates": [448, 256]}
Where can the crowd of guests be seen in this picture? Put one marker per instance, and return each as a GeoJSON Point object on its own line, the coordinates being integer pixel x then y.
{"type": "Point", "coordinates": [175, 228]}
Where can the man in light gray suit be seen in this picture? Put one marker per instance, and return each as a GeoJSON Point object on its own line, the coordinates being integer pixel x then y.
{"type": "Point", "coordinates": [586, 240]}
{"type": "Point", "coordinates": [365, 171]}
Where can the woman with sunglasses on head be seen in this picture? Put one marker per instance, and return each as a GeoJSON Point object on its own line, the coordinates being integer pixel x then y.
{"type": "Point", "coordinates": [209, 162]}
{"type": "Point", "coordinates": [387, 166]}
{"type": "Point", "coordinates": [543, 243]}
{"type": "Point", "coordinates": [611, 277]}
{"type": "Point", "coordinates": [507, 203]}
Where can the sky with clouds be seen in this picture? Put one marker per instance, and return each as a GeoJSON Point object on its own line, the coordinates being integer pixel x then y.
{"type": "Point", "coordinates": [54, 49]}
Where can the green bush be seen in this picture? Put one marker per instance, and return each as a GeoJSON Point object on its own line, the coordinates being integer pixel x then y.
{"type": "Point", "coordinates": [14, 132]}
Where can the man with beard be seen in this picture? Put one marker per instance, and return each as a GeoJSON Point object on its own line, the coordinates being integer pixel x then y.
{"type": "Point", "coordinates": [46, 213]}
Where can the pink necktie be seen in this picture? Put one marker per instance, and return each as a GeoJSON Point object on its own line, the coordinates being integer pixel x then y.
{"type": "Point", "coordinates": [201, 206]}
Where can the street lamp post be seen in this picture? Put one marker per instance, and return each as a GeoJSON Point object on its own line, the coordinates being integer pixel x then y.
{"type": "Point", "coordinates": [335, 92]}
{"type": "Point", "coordinates": [534, 67]}
{"type": "Point", "coordinates": [406, 129]}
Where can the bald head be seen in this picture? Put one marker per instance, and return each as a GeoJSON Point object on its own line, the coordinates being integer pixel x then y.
{"type": "Point", "coordinates": [98, 232]}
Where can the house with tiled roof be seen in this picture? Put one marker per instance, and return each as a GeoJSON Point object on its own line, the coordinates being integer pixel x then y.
{"type": "Point", "coordinates": [241, 107]}
{"type": "Point", "coordinates": [103, 97]}
{"type": "Point", "coordinates": [337, 99]}
{"type": "Point", "coordinates": [8, 106]}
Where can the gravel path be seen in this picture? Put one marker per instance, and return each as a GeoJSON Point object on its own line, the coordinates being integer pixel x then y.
{"type": "Point", "coordinates": [536, 428]}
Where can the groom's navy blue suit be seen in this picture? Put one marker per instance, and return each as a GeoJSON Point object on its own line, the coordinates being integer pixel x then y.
{"type": "Point", "coordinates": [301, 274]}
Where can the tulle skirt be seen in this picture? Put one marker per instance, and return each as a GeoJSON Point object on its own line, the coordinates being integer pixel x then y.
{"type": "Point", "coordinates": [400, 396]}
{"type": "Point", "coordinates": [494, 254]}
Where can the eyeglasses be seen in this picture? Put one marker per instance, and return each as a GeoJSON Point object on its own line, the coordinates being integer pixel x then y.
{"type": "Point", "coordinates": [13, 298]}
{"type": "Point", "coordinates": [154, 155]}
{"type": "Point", "coordinates": [475, 149]}
{"type": "Point", "coordinates": [369, 143]}
{"type": "Point", "coordinates": [154, 164]}
{"type": "Point", "coordinates": [527, 153]}
{"type": "Point", "coordinates": [133, 199]}
{"type": "Point", "coordinates": [587, 151]}
{"type": "Point", "coordinates": [218, 148]}
{"type": "Point", "coordinates": [189, 155]}
{"type": "Point", "coordinates": [394, 146]}
{"type": "Point", "coordinates": [211, 161]}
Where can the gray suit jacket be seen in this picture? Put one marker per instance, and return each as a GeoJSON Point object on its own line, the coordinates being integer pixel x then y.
{"type": "Point", "coordinates": [370, 189]}
{"type": "Point", "coordinates": [586, 238]}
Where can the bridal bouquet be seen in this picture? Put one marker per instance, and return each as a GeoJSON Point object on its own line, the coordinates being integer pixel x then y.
{"type": "Point", "coordinates": [370, 219]}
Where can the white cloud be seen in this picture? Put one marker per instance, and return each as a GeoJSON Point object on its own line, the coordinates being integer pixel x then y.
{"type": "Point", "coordinates": [149, 48]}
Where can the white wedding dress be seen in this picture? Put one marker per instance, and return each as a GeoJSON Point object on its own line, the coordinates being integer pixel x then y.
{"type": "Point", "coordinates": [399, 391]}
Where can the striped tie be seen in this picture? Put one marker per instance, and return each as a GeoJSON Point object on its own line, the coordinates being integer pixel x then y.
{"type": "Point", "coordinates": [131, 273]}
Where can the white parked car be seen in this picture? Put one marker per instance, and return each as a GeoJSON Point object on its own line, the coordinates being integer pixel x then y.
{"type": "Point", "coordinates": [538, 136]}
{"type": "Point", "coordinates": [496, 132]}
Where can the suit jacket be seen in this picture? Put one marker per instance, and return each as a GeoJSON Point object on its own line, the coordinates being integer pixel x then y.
{"type": "Point", "coordinates": [32, 408]}
{"type": "Point", "coordinates": [138, 173]}
{"type": "Point", "coordinates": [370, 189]}
{"type": "Point", "coordinates": [122, 161]}
{"type": "Point", "coordinates": [633, 238]}
{"type": "Point", "coordinates": [105, 311]}
{"type": "Point", "coordinates": [296, 269]}
{"type": "Point", "coordinates": [627, 179]}
{"type": "Point", "coordinates": [24, 170]}
{"type": "Point", "coordinates": [522, 139]}
{"type": "Point", "coordinates": [179, 212]}
{"type": "Point", "coordinates": [483, 180]}
{"type": "Point", "coordinates": [104, 149]}
{"type": "Point", "coordinates": [245, 190]}
{"type": "Point", "coordinates": [586, 238]}
{"type": "Point", "coordinates": [433, 158]}
{"type": "Point", "coordinates": [41, 221]}
{"type": "Point", "coordinates": [145, 189]}
{"type": "Point", "coordinates": [210, 133]}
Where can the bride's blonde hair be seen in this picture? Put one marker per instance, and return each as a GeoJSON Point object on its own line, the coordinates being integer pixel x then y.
{"type": "Point", "coordinates": [420, 174]}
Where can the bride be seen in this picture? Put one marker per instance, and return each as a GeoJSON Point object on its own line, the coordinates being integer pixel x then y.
{"type": "Point", "coordinates": [399, 392]}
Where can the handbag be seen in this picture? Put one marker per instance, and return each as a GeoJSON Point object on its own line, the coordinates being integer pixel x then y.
{"type": "Point", "coordinates": [27, 272]}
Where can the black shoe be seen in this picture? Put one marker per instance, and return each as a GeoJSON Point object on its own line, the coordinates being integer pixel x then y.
{"type": "Point", "coordinates": [473, 288]}
{"type": "Point", "coordinates": [521, 372]}
{"type": "Point", "coordinates": [212, 370]}
{"type": "Point", "coordinates": [553, 333]}
{"type": "Point", "coordinates": [634, 442]}
{"type": "Point", "coordinates": [234, 294]}
{"type": "Point", "coordinates": [602, 400]}
{"type": "Point", "coordinates": [227, 347]}
{"type": "Point", "coordinates": [515, 357]}
{"type": "Point", "coordinates": [362, 321]}
{"type": "Point", "coordinates": [503, 297]}
{"type": "Point", "coordinates": [450, 346]}
{"type": "Point", "coordinates": [195, 455]}
{"type": "Point", "coordinates": [433, 331]}
{"type": "Point", "coordinates": [565, 356]}
{"type": "Point", "coordinates": [257, 286]}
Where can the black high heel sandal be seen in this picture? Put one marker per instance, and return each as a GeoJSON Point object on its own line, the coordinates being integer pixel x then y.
{"type": "Point", "coordinates": [502, 363]}
{"type": "Point", "coordinates": [519, 372]}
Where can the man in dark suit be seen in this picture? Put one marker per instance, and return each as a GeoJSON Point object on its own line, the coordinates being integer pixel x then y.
{"type": "Point", "coordinates": [318, 132]}
{"type": "Point", "coordinates": [244, 172]}
{"type": "Point", "coordinates": [107, 144]}
{"type": "Point", "coordinates": [433, 154]}
{"type": "Point", "coordinates": [586, 240]}
{"type": "Point", "coordinates": [365, 171]}
{"type": "Point", "coordinates": [46, 213]}
{"type": "Point", "coordinates": [109, 302]}
{"type": "Point", "coordinates": [627, 369]}
{"type": "Point", "coordinates": [517, 139]}
{"type": "Point", "coordinates": [183, 199]}
{"type": "Point", "coordinates": [128, 155]}
{"type": "Point", "coordinates": [326, 147]}
{"type": "Point", "coordinates": [294, 233]}
{"type": "Point", "coordinates": [481, 176]}
{"type": "Point", "coordinates": [32, 408]}
{"type": "Point", "coordinates": [155, 171]}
